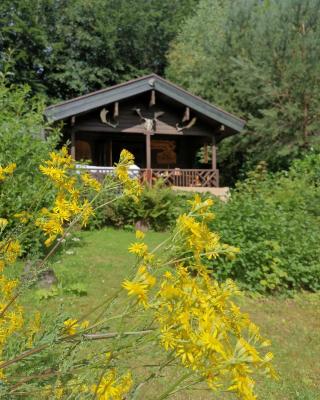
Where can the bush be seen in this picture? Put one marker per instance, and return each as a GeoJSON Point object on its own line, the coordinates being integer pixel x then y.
{"type": "Point", "coordinates": [275, 220]}
{"type": "Point", "coordinates": [157, 209]}
{"type": "Point", "coordinates": [22, 142]}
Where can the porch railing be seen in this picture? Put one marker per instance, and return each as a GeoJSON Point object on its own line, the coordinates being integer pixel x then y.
{"type": "Point", "coordinates": [183, 177]}
{"type": "Point", "coordinates": [170, 177]}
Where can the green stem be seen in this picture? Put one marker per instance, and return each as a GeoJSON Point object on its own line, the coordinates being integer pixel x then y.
{"type": "Point", "coordinates": [174, 386]}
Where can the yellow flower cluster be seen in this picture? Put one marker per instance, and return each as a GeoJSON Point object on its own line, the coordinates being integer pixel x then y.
{"type": "Point", "coordinates": [10, 250]}
{"type": "Point", "coordinates": [141, 285]}
{"type": "Point", "coordinates": [90, 182]}
{"type": "Point", "coordinates": [200, 322]}
{"type": "Point", "coordinates": [113, 388]}
{"type": "Point", "coordinates": [196, 316]}
{"type": "Point", "coordinates": [23, 216]}
{"type": "Point", "coordinates": [58, 165]}
{"type": "Point", "coordinates": [11, 318]}
{"type": "Point", "coordinates": [71, 326]}
{"type": "Point", "coordinates": [131, 186]}
{"type": "Point", "coordinates": [68, 204]}
{"type": "Point", "coordinates": [3, 223]}
{"type": "Point", "coordinates": [196, 237]}
{"type": "Point", "coordinates": [143, 280]}
{"type": "Point", "coordinates": [7, 171]}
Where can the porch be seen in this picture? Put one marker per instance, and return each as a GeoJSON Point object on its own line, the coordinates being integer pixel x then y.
{"type": "Point", "coordinates": [206, 178]}
{"type": "Point", "coordinates": [171, 158]}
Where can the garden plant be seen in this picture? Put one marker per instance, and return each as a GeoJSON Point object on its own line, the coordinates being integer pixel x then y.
{"type": "Point", "coordinates": [181, 316]}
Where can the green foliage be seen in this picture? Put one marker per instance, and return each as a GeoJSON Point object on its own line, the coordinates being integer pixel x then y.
{"type": "Point", "coordinates": [259, 60]}
{"type": "Point", "coordinates": [77, 289]}
{"type": "Point", "coordinates": [67, 48]}
{"type": "Point", "coordinates": [275, 220]}
{"type": "Point", "coordinates": [22, 142]}
{"type": "Point", "coordinates": [157, 209]}
{"type": "Point", "coordinates": [45, 294]}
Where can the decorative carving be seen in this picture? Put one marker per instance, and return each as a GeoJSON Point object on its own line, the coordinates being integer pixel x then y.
{"type": "Point", "coordinates": [167, 153]}
{"type": "Point", "coordinates": [150, 124]}
{"type": "Point", "coordinates": [186, 123]}
{"type": "Point", "coordinates": [181, 128]}
{"type": "Point", "coordinates": [103, 117]}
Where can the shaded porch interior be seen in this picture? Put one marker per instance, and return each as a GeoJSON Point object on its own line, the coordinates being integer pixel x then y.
{"type": "Point", "coordinates": [103, 149]}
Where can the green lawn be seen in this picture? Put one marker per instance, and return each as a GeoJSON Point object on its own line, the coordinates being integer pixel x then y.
{"type": "Point", "coordinates": [100, 261]}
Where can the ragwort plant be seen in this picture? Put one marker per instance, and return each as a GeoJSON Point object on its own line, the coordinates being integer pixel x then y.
{"type": "Point", "coordinates": [177, 313]}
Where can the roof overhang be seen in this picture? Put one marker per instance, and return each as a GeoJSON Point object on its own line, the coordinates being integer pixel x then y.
{"type": "Point", "coordinates": [91, 101]}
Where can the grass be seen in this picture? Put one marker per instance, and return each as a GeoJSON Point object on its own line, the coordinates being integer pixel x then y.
{"type": "Point", "coordinates": [100, 261]}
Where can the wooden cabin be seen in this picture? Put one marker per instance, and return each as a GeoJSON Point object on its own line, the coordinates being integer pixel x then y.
{"type": "Point", "coordinates": [163, 125]}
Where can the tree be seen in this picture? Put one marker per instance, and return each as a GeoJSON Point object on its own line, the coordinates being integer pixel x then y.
{"type": "Point", "coordinates": [258, 59]}
{"type": "Point", "coordinates": [67, 48]}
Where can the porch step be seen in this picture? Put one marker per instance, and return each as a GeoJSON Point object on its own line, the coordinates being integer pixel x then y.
{"type": "Point", "coordinates": [222, 192]}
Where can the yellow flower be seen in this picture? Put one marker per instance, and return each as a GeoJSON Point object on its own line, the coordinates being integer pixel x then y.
{"type": "Point", "coordinates": [111, 387]}
{"type": "Point", "coordinates": [48, 242]}
{"type": "Point", "coordinates": [3, 223]}
{"type": "Point", "coordinates": [168, 275]}
{"type": "Point", "coordinates": [11, 250]}
{"type": "Point", "coordinates": [137, 289]}
{"type": "Point", "coordinates": [23, 216]}
{"type": "Point", "coordinates": [140, 249]}
{"type": "Point", "coordinates": [131, 186]}
{"type": "Point", "coordinates": [56, 174]}
{"type": "Point", "coordinates": [71, 326]}
{"type": "Point", "coordinates": [89, 181]}
{"type": "Point", "coordinates": [85, 324]}
{"type": "Point", "coordinates": [168, 339]}
{"type": "Point", "coordinates": [86, 212]}
{"type": "Point", "coordinates": [126, 157]}
{"type": "Point", "coordinates": [139, 234]}
{"type": "Point", "coordinates": [8, 170]}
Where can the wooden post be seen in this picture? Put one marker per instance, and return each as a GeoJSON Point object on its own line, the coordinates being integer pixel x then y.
{"type": "Point", "coordinates": [148, 157]}
{"type": "Point", "coordinates": [110, 153]}
{"type": "Point", "coordinates": [152, 101]}
{"type": "Point", "coordinates": [73, 144]}
{"type": "Point", "coordinates": [214, 154]}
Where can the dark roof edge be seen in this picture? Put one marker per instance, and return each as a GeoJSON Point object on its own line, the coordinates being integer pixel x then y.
{"type": "Point", "coordinates": [200, 99]}
{"type": "Point", "coordinates": [102, 90]}
{"type": "Point", "coordinates": [97, 99]}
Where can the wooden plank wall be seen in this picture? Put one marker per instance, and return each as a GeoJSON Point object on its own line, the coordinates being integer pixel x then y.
{"type": "Point", "coordinates": [130, 122]}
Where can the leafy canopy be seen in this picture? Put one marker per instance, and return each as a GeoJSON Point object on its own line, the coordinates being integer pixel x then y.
{"type": "Point", "coordinates": [67, 48]}
{"type": "Point", "coordinates": [258, 59]}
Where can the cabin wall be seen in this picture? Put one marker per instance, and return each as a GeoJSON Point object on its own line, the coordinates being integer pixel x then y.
{"type": "Point", "coordinates": [171, 146]}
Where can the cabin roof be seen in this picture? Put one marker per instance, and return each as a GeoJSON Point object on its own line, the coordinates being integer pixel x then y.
{"type": "Point", "coordinates": [91, 101]}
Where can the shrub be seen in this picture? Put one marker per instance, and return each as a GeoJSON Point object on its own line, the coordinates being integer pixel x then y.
{"type": "Point", "coordinates": [275, 220]}
{"type": "Point", "coordinates": [22, 142]}
{"type": "Point", "coordinates": [158, 208]}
